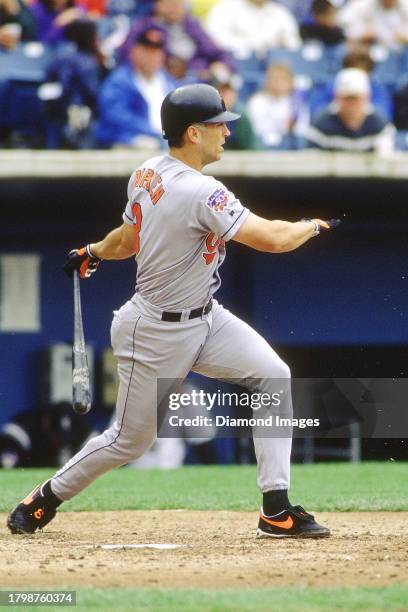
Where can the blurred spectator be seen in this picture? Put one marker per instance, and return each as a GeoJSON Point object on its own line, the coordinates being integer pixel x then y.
{"type": "Point", "coordinates": [189, 48]}
{"type": "Point", "coordinates": [242, 133]}
{"type": "Point", "coordinates": [351, 123]}
{"type": "Point", "coordinates": [130, 99]}
{"type": "Point", "coordinates": [16, 23]}
{"type": "Point", "coordinates": [300, 9]}
{"type": "Point", "coordinates": [323, 26]}
{"type": "Point", "coordinates": [201, 8]}
{"type": "Point", "coordinates": [78, 70]}
{"type": "Point", "coordinates": [376, 21]}
{"type": "Point", "coordinates": [133, 9]}
{"type": "Point", "coordinates": [52, 16]}
{"type": "Point", "coordinates": [357, 57]}
{"type": "Point", "coordinates": [278, 112]}
{"type": "Point", "coordinates": [244, 27]}
{"type": "Point", "coordinates": [93, 8]}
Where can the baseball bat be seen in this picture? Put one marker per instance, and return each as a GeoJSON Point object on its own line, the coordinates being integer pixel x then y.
{"type": "Point", "coordinates": [81, 388]}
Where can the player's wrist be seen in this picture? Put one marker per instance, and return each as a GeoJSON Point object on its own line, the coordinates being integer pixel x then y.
{"type": "Point", "coordinates": [90, 250]}
{"type": "Point", "coordinates": [316, 226]}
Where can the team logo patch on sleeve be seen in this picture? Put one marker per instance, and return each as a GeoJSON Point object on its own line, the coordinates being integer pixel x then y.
{"type": "Point", "coordinates": [217, 200]}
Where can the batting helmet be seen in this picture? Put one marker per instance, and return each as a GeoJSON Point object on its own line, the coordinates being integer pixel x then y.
{"type": "Point", "coordinates": [199, 103]}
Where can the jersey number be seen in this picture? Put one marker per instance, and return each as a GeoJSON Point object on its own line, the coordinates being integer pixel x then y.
{"type": "Point", "coordinates": [137, 224]}
{"type": "Point", "coordinates": [211, 243]}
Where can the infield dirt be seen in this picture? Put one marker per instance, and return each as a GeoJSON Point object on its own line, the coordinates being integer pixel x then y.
{"type": "Point", "coordinates": [364, 549]}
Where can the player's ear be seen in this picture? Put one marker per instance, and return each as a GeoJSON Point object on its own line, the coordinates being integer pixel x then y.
{"type": "Point", "coordinates": [193, 133]}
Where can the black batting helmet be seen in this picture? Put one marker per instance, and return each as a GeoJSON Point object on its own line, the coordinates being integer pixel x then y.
{"type": "Point", "coordinates": [199, 103]}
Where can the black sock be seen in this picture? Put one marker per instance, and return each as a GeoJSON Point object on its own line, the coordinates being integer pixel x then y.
{"type": "Point", "coordinates": [275, 501]}
{"type": "Point", "coordinates": [47, 492]}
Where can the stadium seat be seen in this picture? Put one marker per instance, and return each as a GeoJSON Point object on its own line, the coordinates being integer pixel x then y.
{"type": "Point", "coordinates": [334, 58]}
{"type": "Point", "coordinates": [27, 62]}
{"type": "Point", "coordinates": [25, 111]}
{"type": "Point", "coordinates": [4, 97]}
{"type": "Point", "coordinates": [252, 71]}
{"type": "Point", "coordinates": [309, 61]}
{"type": "Point", "coordinates": [22, 71]}
{"type": "Point", "coordinates": [387, 65]}
{"type": "Point", "coordinates": [404, 64]}
{"type": "Point", "coordinates": [401, 140]}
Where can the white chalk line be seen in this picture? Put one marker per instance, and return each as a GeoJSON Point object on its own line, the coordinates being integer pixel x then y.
{"type": "Point", "coordinates": [122, 546]}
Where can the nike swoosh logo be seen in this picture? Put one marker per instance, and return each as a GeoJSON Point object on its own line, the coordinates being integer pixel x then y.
{"type": "Point", "coordinates": [283, 524]}
{"type": "Point", "coordinates": [30, 497]}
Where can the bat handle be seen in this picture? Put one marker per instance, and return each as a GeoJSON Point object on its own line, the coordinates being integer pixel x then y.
{"type": "Point", "coordinates": [77, 294]}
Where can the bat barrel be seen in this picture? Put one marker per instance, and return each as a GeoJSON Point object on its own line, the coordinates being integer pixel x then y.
{"type": "Point", "coordinates": [81, 387]}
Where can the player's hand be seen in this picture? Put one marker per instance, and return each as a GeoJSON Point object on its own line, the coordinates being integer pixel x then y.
{"type": "Point", "coordinates": [323, 226]}
{"type": "Point", "coordinates": [83, 261]}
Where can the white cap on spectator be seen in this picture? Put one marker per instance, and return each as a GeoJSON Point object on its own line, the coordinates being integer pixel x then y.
{"type": "Point", "coordinates": [352, 82]}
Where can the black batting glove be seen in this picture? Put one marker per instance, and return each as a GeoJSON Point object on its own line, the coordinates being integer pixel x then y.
{"type": "Point", "coordinates": [323, 226]}
{"type": "Point", "coordinates": [83, 261]}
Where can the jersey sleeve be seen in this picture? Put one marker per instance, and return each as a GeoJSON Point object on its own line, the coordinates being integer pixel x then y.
{"type": "Point", "coordinates": [218, 210]}
{"type": "Point", "coordinates": [128, 214]}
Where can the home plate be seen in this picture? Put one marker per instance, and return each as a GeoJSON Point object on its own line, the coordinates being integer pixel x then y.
{"type": "Point", "coordinates": [122, 546]}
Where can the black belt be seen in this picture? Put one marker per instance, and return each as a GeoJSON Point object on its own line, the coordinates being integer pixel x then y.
{"type": "Point", "coordinates": [177, 316]}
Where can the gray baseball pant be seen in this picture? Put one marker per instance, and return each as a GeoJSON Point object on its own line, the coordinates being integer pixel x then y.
{"type": "Point", "coordinates": [218, 345]}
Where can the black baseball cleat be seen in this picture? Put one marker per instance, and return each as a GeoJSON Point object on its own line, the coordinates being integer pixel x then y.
{"type": "Point", "coordinates": [34, 512]}
{"type": "Point", "coordinates": [292, 523]}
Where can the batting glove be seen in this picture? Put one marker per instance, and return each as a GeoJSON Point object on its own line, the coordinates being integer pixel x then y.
{"type": "Point", "coordinates": [322, 226]}
{"type": "Point", "coordinates": [82, 260]}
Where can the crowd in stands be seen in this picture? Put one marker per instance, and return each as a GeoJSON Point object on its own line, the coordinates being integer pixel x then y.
{"type": "Point", "coordinates": [328, 74]}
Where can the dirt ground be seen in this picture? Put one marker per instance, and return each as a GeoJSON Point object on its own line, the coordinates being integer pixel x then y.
{"type": "Point", "coordinates": [221, 551]}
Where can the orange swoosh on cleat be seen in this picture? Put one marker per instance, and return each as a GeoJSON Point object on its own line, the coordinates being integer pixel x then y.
{"type": "Point", "coordinates": [30, 496]}
{"type": "Point", "coordinates": [284, 524]}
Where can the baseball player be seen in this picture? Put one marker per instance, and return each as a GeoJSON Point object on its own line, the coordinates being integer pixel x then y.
{"type": "Point", "coordinates": [176, 223]}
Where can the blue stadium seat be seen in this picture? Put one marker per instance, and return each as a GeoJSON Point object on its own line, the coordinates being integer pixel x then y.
{"type": "Point", "coordinates": [22, 71]}
{"type": "Point", "coordinates": [387, 66]}
{"type": "Point", "coordinates": [252, 71]}
{"type": "Point", "coordinates": [27, 62]}
{"type": "Point", "coordinates": [404, 64]}
{"type": "Point", "coordinates": [309, 61]}
{"type": "Point", "coordinates": [401, 140]}
{"type": "Point", "coordinates": [25, 111]}
{"type": "Point", "coordinates": [131, 8]}
{"type": "Point", "coordinates": [4, 98]}
{"type": "Point", "coordinates": [334, 58]}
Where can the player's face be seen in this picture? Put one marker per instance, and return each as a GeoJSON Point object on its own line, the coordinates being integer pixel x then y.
{"type": "Point", "coordinates": [212, 139]}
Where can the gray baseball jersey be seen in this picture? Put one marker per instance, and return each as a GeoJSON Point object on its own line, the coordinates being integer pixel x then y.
{"type": "Point", "coordinates": [182, 220]}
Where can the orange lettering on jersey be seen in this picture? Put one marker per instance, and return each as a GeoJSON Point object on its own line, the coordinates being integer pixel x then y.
{"type": "Point", "coordinates": [156, 189]}
{"type": "Point", "coordinates": [212, 243]}
{"type": "Point", "coordinates": [147, 179]}
{"type": "Point", "coordinates": [137, 224]}
{"type": "Point", "coordinates": [138, 178]}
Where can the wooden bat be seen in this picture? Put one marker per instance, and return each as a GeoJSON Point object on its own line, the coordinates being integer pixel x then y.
{"type": "Point", "coordinates": [81, 387]}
